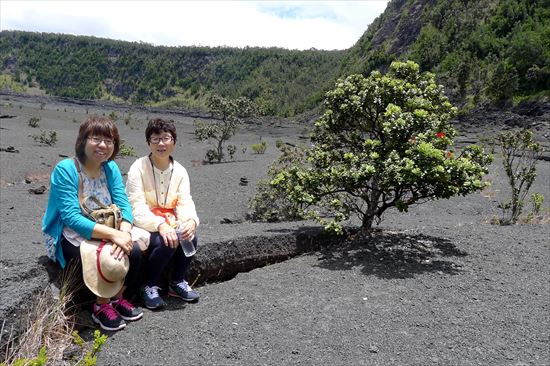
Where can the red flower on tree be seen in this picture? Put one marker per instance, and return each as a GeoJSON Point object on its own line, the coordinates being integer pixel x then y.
{"type": "Point", "coordinates": [440, 135]}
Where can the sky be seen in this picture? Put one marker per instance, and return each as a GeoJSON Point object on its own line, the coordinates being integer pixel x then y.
{"type": "Point", "coordinates": [324, 25]}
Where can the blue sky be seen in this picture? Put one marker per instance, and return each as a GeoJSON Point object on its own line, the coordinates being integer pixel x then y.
{"type": "Point", "coordinates": [289, 24]}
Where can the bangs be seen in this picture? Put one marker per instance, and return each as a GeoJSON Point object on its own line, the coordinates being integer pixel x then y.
{"type": "Point", "coordinates": [97, 127]}
{"type": "Point", "coordinates": [101, 129]}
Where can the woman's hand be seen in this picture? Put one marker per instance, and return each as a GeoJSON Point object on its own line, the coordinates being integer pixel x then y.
{"type": "Point", "coordinates": [188, 228]}
{"type": "Point", "coordinates": [122, 244]}
{"type": "Point", "coordinates": [168, 234]}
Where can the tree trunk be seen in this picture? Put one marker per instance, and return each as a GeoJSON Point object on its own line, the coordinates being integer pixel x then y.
{"type": "Point", "coordinates": [372, 208]}
{"type": "Point", "coordinates": [220, 151]}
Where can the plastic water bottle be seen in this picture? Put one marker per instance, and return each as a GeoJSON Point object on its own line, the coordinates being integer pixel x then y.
{"type": "Point", "coordinates": [187, 245]}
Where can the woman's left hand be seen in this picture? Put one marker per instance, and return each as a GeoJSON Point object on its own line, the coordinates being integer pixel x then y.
{"type": "Point", "coordinates": [188, 228]}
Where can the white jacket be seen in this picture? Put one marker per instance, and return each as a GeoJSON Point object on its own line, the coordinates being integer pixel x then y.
{"type": "Point", "coordinates": [141, 191]}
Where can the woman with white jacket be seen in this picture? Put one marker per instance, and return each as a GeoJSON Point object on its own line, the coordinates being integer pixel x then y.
{"type": "Point", "coordinates": [159, 191]}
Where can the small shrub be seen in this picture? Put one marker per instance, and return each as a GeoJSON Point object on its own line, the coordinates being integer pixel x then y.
{"type": "Point", "coordinates": [537, 199]}
{"type": "Point", "coordinates": [231, 150]}
{"type": "Point", "coordinates": [269, 203]}
{"type": "Point", "coordinates": [33, 121]}
{"type": "Point", "coordinates": [90, 357]}
{"type": "Point", "coordinates": [259, 148]}
{"type": "Point", "coordinates": [126, 150]}
{"type": "Point", "coordinates": [537, 215]}
{"type": "Point", "coordinates": [113, 116]}
{"type": "Point", "coordinates": [520, 153]}
{"type": "Point", "coordinates": [127, 121]}
{"type": "Point", "coordinates": [46, 137]}
{"type": "Point", "coordinates": [42, 105]}
{"type": "Point", "coordinates": [243, 149]}
{"type": "Point", "coordinates": [20, 106]}
{"type": "Point", "coordinates": [211, 155]}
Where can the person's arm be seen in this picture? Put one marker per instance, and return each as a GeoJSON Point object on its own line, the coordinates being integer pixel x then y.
{"type": "Point", "coordinates": [143, 217]}
{"type": "Point", "coordinates": [118, 193]}
{"type": "Point", "coordinates": [64, 186]}
{"type": "Point", "coordinates": [185, 209]}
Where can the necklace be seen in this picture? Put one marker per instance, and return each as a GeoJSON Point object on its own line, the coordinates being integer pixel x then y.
{"type": "Point", "coordinates": [155, 181]}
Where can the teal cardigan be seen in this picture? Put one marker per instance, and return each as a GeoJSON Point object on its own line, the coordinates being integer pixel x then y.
{"type": "Point", "coordinates": [64, 209]}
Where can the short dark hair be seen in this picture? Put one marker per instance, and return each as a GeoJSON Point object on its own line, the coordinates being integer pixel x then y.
{"type": "Point", "coordinates": [96, 126]}
{"type": "Point", "coordinates": [158, 125]}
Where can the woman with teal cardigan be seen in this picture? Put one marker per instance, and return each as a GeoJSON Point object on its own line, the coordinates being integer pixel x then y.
{"type": "Point", "coordinates": [65, 227]}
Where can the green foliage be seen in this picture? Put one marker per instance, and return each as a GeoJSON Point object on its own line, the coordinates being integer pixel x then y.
{"type": "Point", "coordinates": [90, 355]}
{"type": "Point", "coordinates": [212, 155]}
{"type": "Point", "coordinates": [259, 148]}
{"type": "Point", "coordinates": [46, 137]}
{"type": "Point", "coordinates": [272, 204]}
{"type": "Point", "coordinates": [537, 200]}
{"type": "Point", "coordinates": [482, 51]}
{"type": "Point", "coordinates": [520, 153]}
{"type": "Point", "coordinates": [10, 84]}
{"type": "Point", "coordinates": [228, 113]}
{"type": "Point", "coordinates": [384, 141]}
{"type": "Point", "coordinates": [126, 150]}
{"type": "Point", "coordinates": [113, 116]}
{"type": "Point", "coordinates": [283, 82]}
{"type": "Point", "coordinates": [33, 121]}
{"type": "Point", "coordinates": [231, 150]}
{"type": "Point", "coordinates": [39, 360]}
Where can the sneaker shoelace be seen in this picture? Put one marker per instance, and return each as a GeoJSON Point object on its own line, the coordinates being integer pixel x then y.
{"type": "Point", "coordinates": [152, 292]}
{"type": "Point", "coordinates": [108, 310]}
{"type": "Point", "coordinates": [124, 304]}
{"type": "Point", "coordinates": [184, 286]}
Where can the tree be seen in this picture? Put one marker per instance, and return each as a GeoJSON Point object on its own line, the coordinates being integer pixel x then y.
{"type": "Point", "coordinates": [520, 153]}
{"type": "Point", "coordinates": [228, 113]}
{"type": "Point", "coordinates": [384, 141]}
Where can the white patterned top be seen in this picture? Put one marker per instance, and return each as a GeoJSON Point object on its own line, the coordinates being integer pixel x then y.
{"type": "Point", "coordinates": [90, 187]}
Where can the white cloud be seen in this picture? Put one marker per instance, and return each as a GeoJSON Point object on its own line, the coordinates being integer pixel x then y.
{"type": "Point", "coordinates": [288, 24]}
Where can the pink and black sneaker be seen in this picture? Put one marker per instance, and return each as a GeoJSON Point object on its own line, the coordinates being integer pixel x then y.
{"type": "Point", "coordinates": [107, 317]}
{"type": "Point", "coordinates": [126, 310]}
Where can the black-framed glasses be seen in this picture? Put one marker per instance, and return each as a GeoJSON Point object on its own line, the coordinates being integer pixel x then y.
{"type": "Point", "coordinates": [156, 140]}
{"type": "Point", "coordinates": [97, 140]}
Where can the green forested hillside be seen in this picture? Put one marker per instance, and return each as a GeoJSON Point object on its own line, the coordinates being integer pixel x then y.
{"type": "Point", "coordinates": [281, 81]}
{"type": "Point", "coordinates": [483, 51]}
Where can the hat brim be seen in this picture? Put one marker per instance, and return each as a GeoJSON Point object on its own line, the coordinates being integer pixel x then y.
{"type": "Point", "coordinates": [90, 273]}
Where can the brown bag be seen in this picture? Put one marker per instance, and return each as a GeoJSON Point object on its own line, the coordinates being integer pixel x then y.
{"type": "Point", "coordinates": [106, 215]}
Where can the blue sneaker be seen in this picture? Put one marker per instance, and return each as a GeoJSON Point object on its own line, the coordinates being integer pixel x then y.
{"type": "Point", "coordinates": [151, 298]}
{"type": "Point", "coordinates": [183, 291]}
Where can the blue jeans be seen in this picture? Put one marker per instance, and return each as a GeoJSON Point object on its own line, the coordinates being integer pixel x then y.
{"type": "Point", "coordinates": [159, 257]}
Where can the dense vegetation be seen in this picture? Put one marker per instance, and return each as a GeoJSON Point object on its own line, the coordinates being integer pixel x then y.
{"type": "Point", "coordinates": [384, 141]}
{"type": "Point", "coordinates": [482, 51]}
{"type": "Point", "coordinates": [486, 51]}
{"type": "Point", "coordinates": [280, 81]}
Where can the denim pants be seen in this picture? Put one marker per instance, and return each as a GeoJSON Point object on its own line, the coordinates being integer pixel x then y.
{"type": "Point", "coordinates": [159, 257]}
{"type": "Point", "coordinates": [72, 257]}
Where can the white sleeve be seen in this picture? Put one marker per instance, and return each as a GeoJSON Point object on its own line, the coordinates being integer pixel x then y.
{"type": "Point", "coordinates": [185, 208]}
{"type": "Point", "coordinates": [143, 217]}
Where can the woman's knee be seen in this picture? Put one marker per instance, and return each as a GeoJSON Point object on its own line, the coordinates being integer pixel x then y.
{"type": "Point", "coordinates": [135, 254]}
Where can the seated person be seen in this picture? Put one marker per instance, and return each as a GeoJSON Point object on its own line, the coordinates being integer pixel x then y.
{"type": "Point", "coordinates": [159, 190]}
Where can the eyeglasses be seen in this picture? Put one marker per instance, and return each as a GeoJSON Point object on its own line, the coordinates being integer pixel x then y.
{"type": "Point", "coordinates": [97, 141]}
{"type": "Point", "coordinates": [156, 140]}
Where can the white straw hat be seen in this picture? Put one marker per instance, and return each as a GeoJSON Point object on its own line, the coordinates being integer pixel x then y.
{"type": "Point", "coordinates": [103, 274]}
